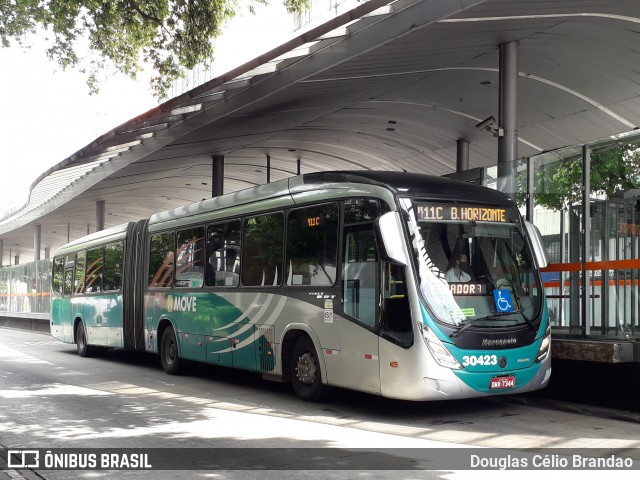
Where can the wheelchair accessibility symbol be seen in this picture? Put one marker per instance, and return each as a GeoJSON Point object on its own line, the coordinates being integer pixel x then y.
{"type": "Point", "coordinates": [504, 302]}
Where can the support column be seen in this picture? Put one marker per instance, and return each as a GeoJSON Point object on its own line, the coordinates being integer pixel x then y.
{"type": "Point", "coordinates": [37, 237]}
{"type": "Point", "coordinates": [16, 260]}
{"type": "Point", "coordinates": [531, 186]}
{"type": "Point", "coordinates": [99, 216]}
{"type": "Point", "coordinates": [1, 251]}
{"type": "Point", "coordinates": [507, 119]}
{"type": "Point", "coordinates": [47, 253]}
{"type": "Point", "coordinates": [462, 155]}
{"type": "Point", "coordinates": [268, 168]}
{"type": "Point", "coordinates": [217, 176]}
{"type": "Point", "coordinates": [585, 233]}
{"type": "Point", "coordinates": [299, 162]}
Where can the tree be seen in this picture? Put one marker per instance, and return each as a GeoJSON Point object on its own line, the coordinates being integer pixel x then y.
{"type": "Point", "coordinates": [612, 171]}
{"type": "Point", "coordinates": [170, 36]}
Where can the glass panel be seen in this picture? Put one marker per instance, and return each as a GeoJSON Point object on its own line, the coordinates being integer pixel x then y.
{"type": "Point", "coordinates": [79, 284]}
{"type": "Point", "coordinates": [223, 250]}
{"type": "Point", "coordinates": [113, 256]}
{"type": "Point", "coordinates": [94, 270]}
{"type": "Point", "coordinates": [190, 263]}
{"type": "Point", "coordinates": [359, 274]}
{"type": "Point", "coordinates": [557, 198]}
{"type": "Point", "coordinates": [161, 262]}
{"type": "Point", "coordinates": [358, 210]}
{"type": "Point", "coordinates": [614, 206]}
{"type": "Point", "coordinates": [396, 312]}
{"type": "Point", "coordinates": [68, 281]}
{"type": "Point", "coordinates": [58, 273]}
{"type": "Point", "coordinates": [312, 244]}
{"type": "Point", "coordinates": [27, 287]}
{"type": "Point", "coordinates": [263, 250]}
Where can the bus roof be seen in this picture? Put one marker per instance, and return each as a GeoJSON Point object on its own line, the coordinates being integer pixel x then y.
{"type": "Point", "coordinates": [411, 184]}
{"type": "Point", "coordinates": [94, 239]}
{"type": "Point", "coordinates": [282, 192]}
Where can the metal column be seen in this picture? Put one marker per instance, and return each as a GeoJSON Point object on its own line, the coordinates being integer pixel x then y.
{"type": "Point", "coordinates": [37, 237]}
{"type": "Point", "coordinates": [585, 232]}
{"type": "Point", "coordinates": [268, 168]}
{"type": "Point", "coordinates": [217, 176]}
{"type": "Point", "coordinates": [462, 155]}
{"type": "Point", "coordinates": [99, 216]}
{"type": "Point", "coordinates": [507, 119]}
{"type": "Point", "coordinates": [530, 189]}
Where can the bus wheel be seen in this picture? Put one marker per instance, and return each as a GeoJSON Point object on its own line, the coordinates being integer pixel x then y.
{"type": "Point", "coordinates": [169, 352]}
{"type": "Point", "coordinates": [84, 350]}
{"type": "Point", "coordinates": [306, 376]}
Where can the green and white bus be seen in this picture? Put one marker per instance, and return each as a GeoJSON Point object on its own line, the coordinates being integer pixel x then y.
{"type": "Point", "coordinates": [402, 285]}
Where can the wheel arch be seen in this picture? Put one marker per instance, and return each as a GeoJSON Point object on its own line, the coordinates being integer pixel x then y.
{"type": "Point", "coordinates": [163, 324]}
{"type": "Point", "coordinates": [289, 337]}
{"type": "Point", "coordinates": [76, 321]}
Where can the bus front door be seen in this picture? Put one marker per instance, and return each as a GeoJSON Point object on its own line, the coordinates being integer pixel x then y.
{"type": "Point", "coordinates": [359, 340]}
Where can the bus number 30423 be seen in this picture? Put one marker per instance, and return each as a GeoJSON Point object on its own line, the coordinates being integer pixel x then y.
{"type": "Point", "coordinates": [473, 360]}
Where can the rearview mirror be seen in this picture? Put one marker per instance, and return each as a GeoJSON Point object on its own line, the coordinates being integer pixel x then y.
{"type": "Point", "coordinates": [536, 242]}
{"type": "Point", "coordinates": [389, 230]}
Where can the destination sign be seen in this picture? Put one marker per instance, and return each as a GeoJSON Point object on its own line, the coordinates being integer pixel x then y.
{"type": "Point", "coordinates": [460, 212]}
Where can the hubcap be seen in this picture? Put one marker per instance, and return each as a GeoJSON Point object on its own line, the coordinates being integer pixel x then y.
{"type": "Point", "coordinates": [306, 369]}
{"type": "Point", "coordinates": [171, 352]}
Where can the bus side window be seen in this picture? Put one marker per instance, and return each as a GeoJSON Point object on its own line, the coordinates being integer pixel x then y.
{"type": "Point", "coordinates": [222, 268]}
{"type": "Point", "coordinates": [68, 281]}
{"type": "Point", "coordinates": [312, 245]}
{"type": "Point", "coordinates": [161, 263]}
{"type": "Point", "coordinates": [57, 278]}
{"type": "Point", "coordinates": [93, 276]}
{"type": "Point", "coordinates": [113, 256]}
{"type": "Point", "coordinates": [79, 281]}
{"type": "Point", "coordinates": [190, 258]}
{"type": "Point", "coordinates": [263, 250]}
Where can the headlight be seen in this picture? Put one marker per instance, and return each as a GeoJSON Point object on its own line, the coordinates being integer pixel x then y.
{"type": "Point", "coordinates": [439, 352]}
{"type": "Point", "coordinates": [545, 346]}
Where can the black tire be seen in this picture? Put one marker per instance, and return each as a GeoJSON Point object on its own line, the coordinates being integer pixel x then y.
{"type": "Point", "coordinates": [169, 352]}
{"type": "Point", "coordinates": [306, 375]}
{"type": "Point", "coordinates": [84, 350]}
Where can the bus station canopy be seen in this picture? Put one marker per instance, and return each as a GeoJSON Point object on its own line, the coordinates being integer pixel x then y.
{"type": "Point", "coordinates": [384, 85]}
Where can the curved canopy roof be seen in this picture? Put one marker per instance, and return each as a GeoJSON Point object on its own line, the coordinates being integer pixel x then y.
{"type": "Point", "coordinates": [383, 86]}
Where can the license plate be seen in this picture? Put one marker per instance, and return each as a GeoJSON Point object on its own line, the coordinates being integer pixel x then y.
{"type": "Point", "coordinates": [498, 383]}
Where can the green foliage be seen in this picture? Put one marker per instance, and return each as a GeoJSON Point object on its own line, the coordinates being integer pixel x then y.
{"type": "Point", "coordinates": [612, 171]}
{"type": "Point", "coordinates": [170, 36]}
{"type": "Point", "coordinates": [297, 6]}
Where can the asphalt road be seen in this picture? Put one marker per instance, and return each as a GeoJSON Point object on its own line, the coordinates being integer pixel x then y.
{"type": "Point", "coordinates": [50, 398]}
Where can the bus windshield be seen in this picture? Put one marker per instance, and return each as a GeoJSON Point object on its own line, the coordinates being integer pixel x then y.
{"type": "Point", "coordinates": [474, 265]}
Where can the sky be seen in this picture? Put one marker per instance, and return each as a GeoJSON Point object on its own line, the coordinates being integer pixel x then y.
{"type": "Point", "coordinates": [48, 114]}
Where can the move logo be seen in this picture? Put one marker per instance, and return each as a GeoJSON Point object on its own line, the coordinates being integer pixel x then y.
{"type": "Point", "coordinates": [181, 304]}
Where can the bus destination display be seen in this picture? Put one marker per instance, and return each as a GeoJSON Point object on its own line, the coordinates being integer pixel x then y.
{"type": "Point", "coordinates": [429, 212]}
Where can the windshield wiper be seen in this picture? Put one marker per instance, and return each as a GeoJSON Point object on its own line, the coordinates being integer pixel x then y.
{"type": "Point", "coordinates": [524, 317]}
{"type": "Point", "coordinates": [464, 327]}
{"type": "Point", "coordinates": [492, 317]}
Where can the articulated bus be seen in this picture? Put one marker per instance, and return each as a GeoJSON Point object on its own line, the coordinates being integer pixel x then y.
{"type": "Point", "coordinates": [401, 285]}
